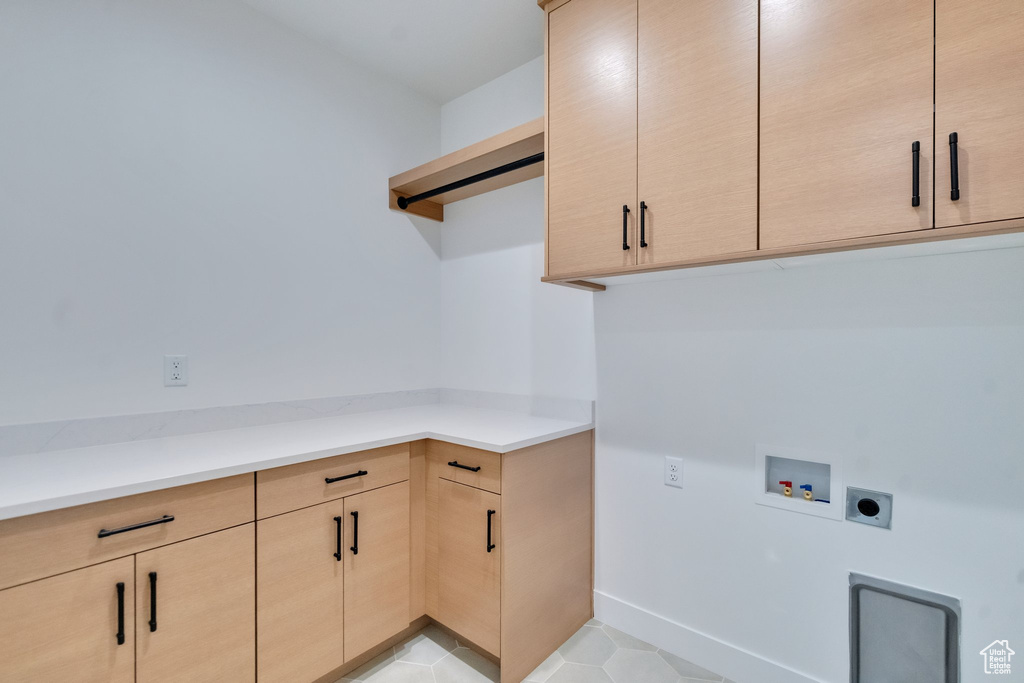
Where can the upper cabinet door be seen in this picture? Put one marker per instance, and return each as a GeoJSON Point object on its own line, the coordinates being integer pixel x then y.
{"type": "Point", "coordinates": [979, 95]}
{"type": "Point", "coordinates": [846, 89]}
{"type": "Point", "coordinates": [376, 552]}
{"type": "Point", "coordinates": [591, 136]}
{"type": "Point", "coordinates": [195, 613]}
{"type": "Point", "coordinates": [697, 116]}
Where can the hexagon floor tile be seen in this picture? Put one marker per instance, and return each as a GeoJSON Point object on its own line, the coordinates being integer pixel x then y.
{"type": "Point", "coordinates": [597, 653]}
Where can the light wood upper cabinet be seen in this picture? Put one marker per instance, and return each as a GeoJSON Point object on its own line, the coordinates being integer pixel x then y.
{"type": "Point", "coordinates": [979, 95]}
{"type": "Point", "coordinates": [697, 114]}
{"type": "Point", "coordinates": [204, 624]}
{"type": "Point", "coordinates": [376, 552]}
{"type": "Point", "coordinates": [846, 89]}
{"type": "Point", "coordinates": [66, 628]}
{"type": "Point", "coordinates": [591, 128]}
{"type": "Point", "coordinates": [469, 584]}
{"type": "Point", "coordinates": [299, 594]}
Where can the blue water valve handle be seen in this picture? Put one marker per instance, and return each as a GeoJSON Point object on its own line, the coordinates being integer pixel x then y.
{"type": "Point", "coordinates": [805, 487]}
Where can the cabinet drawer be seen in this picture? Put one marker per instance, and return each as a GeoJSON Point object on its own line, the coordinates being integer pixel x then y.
{"type": "Point", "coordinates": [291, 487]}
{"type": "Point", "coordinates": [465, 465]}
{"type": "Point", "coordinates": [49, 543]}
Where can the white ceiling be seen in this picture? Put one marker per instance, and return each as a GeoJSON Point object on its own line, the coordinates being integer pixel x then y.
{"type": "Point", "coordinates": [442, 48]}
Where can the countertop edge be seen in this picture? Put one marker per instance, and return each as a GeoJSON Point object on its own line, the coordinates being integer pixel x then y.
{"type": "Point", "coordinates": [147, 486]}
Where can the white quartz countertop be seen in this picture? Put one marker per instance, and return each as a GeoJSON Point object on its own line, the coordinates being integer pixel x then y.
{"type": "Point", "coordinates": [39, 482]}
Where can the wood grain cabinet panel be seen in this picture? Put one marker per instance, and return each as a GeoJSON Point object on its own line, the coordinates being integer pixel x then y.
{"type": "Point", "coordinates": [469, 577]}
{"type": "Point", "coordinates": [547, 551]}
{"type": "Point", "coordinates": [591, 127]}
{"type": "Point", "coordinates": [196, 508]}
{"type": "Point", "coordinates": [300, 594]}
{"type": "Point", "coordinates": [291, 487]}
{"type": "Point", "coordinates": [979, 95]}
{"type": "Point", "coordinates": [65, 628]}
{"type": "Point", "coordinates": [452, 460]}
{"type": "Point", "coordinates": [846, 89]}
{"type": "Point", "coordinates": [697, 140]}
{"type": "Point", "coordinates": [377, 571]}
{"type": "Point", "coordinates": [204, 626]}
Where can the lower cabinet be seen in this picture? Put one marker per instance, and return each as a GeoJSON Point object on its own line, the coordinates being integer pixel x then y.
{"type": "Point", "coordinates": [333, 582]}
{"type": "Point", "coordinates": [299, 594]}
{"type": "Point", "coordinates": [495, 547]}
{"type": "Point", "coordinates": [508, 546]}
{"type": "Point", "coordinates": [376, 567]}
{"type": "Point", "coordinates": [194, 613]}
{"type": "Point", "coordinates": [77, 626]}
{"type": "Point", "coordinates": [469, 577]}
{"type": "Point", "coordinates": [180, 612]}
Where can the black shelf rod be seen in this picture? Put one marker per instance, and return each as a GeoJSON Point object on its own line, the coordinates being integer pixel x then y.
{"type": "Point", "coordinates": [404, 202]}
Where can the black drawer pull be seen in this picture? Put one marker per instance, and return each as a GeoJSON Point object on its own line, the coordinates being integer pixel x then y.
{"type": "Point", "coordinates": [120, 613]}
{"type": "Point", "coordinates": [455, 463]}
{"type": "Point", "coordinates": [625, 219]}
{"type": "Point", "coordinates": [337, 555]}
{"type": "Point", "coordinates": [490, 546]}
{"type": "Point", "coordinates": [132, 527]}
{"type": "Point", "coordinates": [360, 473]}
{"type": "Point", "coordinates": [954, 169]}
{"type": "Point", "coordinates": [355, 533]}
{"type": "Point", "coordinates": [915, 150]}
{"type": "Point", "coordinates": [152, 601]}
{"type": "Point", "coordinates": [643, 211]}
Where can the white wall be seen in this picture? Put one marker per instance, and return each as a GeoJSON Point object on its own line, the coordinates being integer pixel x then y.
{"type": "Point", "coordinates": [503, 330]}
{"type": "Point", "coordinates": [912, 370]}
{"type": "Point", "coordinates": [182, 176]}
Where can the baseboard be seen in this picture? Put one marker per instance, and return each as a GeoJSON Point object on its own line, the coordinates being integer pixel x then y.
{"type": "Point", "coordinates": [732, 662]}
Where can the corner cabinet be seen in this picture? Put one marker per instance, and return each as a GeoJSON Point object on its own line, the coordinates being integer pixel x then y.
{"type": "Point", "coordinates": [684, 134]}
{"type": "Point", "coordinates": [509, 546]}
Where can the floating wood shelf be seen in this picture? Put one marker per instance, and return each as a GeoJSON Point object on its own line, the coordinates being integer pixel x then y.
{"type": "Point", "coordinates": [520, 144]}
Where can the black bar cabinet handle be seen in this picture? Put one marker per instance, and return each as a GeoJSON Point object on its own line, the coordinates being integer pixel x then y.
{"type": "Point", "coordinates": [132, 527]}
{"type": "Point", "coordinates": [915, 150]}
{"type": "Point", "coordinates": [954, 169]}
{"type": "Point", "coordinates": [643, 211]}
{"type": "Point", "coordinates": [120, 613]}
{"type": "Point", "coordinates": [152, 601]}
{"type": "Point", "coordinates": [360, 473]}
{"type": "Point", "coordinates": [625, 214]}
{"type": "Point", "coordinates": [337, 555]}
{"type": "Point", "coordinates": [355, 533]}
{"type": "Point", "coordinates": [490, 546]}
{"type": "Point", "coordinates": [455, 463]}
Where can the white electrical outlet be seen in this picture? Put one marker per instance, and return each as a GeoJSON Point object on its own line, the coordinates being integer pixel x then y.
{"type": "Point", "coordinates": [674, 472]}
{"type": "Point", "coordinates": [175, 371]}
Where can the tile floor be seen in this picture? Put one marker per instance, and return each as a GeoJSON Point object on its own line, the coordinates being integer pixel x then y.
{"type": "Point", "coordinates": [597, 653]}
